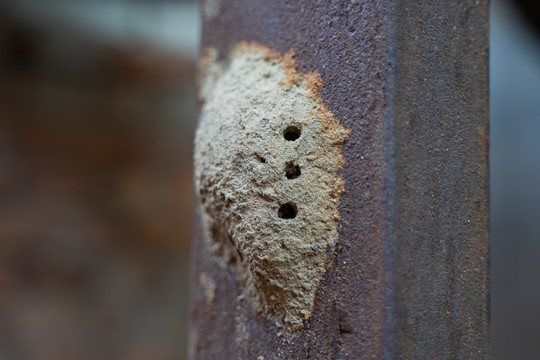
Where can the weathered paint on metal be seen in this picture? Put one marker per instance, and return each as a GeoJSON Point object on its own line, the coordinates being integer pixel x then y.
{"type": "Point", "coordinates": [411, 273]}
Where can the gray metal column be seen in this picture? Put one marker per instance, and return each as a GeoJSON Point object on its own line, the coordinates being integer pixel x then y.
{"type": "Point", "coordinates": [409, 275]}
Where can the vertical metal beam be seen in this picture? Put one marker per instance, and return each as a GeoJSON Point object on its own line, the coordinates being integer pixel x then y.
{"type": "Point", "coordinates": [410, 277]}
{"type": "Point", "coordinates": [440, 194]}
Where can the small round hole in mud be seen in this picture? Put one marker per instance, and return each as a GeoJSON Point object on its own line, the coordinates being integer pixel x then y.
{"type": "Point", "coordinates": [260, 159]}
{"type": "Point", "coordinates": [287, 211]}
{"type": "Point", "coordinates": [292, 170]}
{"type": "Point", "coordinates": [292, 133]}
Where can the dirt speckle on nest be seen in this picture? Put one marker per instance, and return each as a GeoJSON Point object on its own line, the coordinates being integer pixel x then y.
{"type": "Point", "coordinates": [267, 157]}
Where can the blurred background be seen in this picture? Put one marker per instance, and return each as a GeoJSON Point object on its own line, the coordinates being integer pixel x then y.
{"type": "Point", "coordinates": [97, 114]}
{"type": "Point", "coordinates": [515, 179]}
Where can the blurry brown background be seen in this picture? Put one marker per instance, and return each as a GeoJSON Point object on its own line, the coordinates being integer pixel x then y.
{"type": "Point", "coordinates": [97, 113]}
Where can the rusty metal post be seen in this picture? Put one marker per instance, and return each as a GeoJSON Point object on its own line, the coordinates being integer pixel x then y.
{"type": "Point", "coordinates": [409, 274]}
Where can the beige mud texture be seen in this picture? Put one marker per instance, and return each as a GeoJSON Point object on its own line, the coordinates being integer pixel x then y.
{"type": "Point", "coordinates": [267, 157]}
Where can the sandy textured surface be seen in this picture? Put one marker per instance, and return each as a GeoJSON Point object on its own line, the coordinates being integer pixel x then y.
{"type": "Point", "coordinates": [267, 156]}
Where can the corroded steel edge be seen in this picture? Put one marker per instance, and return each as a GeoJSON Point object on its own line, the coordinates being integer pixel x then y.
{"type": "Point", "coordinates": [396, 290]}
{"type": "Point", "coordinates": [440, 195]}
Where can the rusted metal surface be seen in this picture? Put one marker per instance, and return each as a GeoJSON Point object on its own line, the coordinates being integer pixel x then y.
{"type": "Point", "coordinates": [410, 278]}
